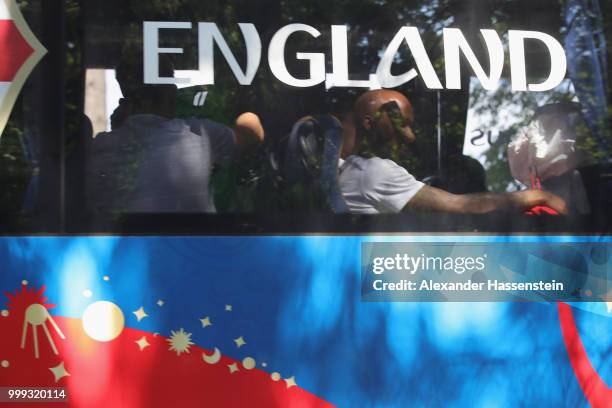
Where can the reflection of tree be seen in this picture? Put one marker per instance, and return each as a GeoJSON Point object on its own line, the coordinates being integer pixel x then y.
{"type": "Point", "coordinates": [372, 24]}
{"type": "Point", "coordinates": [15, 170]}
{"type": "Point", "coordinates": [16, 167]}
{"type": "Point", "coordinates": [102, 30]}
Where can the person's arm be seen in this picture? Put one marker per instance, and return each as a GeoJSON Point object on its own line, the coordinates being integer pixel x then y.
{"type": "Point", "coordinates": [227, 144]}
{"type": "Point", "coordinates": [435, 200]}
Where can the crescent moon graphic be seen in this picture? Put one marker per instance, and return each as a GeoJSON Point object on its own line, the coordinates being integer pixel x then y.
{"type": "Point", "coordinates": [213, 358]}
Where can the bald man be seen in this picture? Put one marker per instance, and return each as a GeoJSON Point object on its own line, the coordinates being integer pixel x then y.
{"type": "Point", "coordinates": [371, 183]}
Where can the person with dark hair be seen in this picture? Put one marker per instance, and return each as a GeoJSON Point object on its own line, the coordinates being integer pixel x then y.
{"type": "Point", "coordinates": [461, 175]}
{"type": "Point", "coordinates": [152, 162]}
{"type": "Point", "coordinates": [371, 183]}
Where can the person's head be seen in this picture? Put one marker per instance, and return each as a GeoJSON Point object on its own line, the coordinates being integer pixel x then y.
{"type": "Point", "coordinates": [249, 132]}
{"type": "Point", "coordinates": [383, 120]}
{"type": "Point", "coordinates": [146, 98]}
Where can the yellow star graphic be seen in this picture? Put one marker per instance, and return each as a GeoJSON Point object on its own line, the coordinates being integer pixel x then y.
{"type": "Point", "coordinates": [239, 342]}
{"type": "Point", "coordinates": [160, 303]}
{"type": "Point", "coordinates": [206, 322]}
{"type": "Point", "coordinates": [290, 382]}
{"type": "Point", "coordinates": [59, 371]}
{"type": "Point", "coordinates": [228, 308]}
{"type": "Point", "coordinates": [142, 343]}
{"type": "Point", "coordinates": [180, 341]}
{"type": "Point", "coordinates": [233, 368]}
{"type": "Point", "coordinates": [140, 313]}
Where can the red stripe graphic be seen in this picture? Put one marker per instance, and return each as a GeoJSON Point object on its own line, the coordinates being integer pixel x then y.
{"type": "Point", "coordinates": [595, 390]}
{"type": "Point", "coordinates": [14, 50]}
{"type": "Point", "coordinates": [122, 374]}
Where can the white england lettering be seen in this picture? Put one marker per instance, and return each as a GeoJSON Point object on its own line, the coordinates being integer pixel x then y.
{"type": "Point", "coordinates": [276, 57]}
{"type": "Point", "coordinates": [415, 44]}
{"type": "Point", "coordinates": [152, 51]}
{"type": "Point", "coordinates": [454, 41]}
{"type": "Point", "coordinates": [454, 44]}
{"type": "Point", "coordinates": [558, 62]}
{"type": "Point", "coordinates": [208, 34]}
{"type": "Point", "coordinates": [340, 75]}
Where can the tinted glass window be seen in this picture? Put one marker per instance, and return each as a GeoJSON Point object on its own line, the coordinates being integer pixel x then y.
{"type": "Point", "coordinates": [238, 116]}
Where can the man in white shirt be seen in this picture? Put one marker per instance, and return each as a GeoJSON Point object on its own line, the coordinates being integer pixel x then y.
{"type": "Point", "coordinates": [371, 183]}
{"type": "Point", "coordinates": [374, 185]}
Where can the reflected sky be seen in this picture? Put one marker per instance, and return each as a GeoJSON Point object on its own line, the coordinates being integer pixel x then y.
{"type": "Point", "coordinates": [296, 301]}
